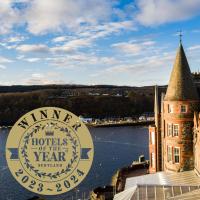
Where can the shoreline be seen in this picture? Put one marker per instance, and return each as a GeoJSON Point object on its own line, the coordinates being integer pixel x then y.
{"type": "Point", "coordinates": [106, 125]}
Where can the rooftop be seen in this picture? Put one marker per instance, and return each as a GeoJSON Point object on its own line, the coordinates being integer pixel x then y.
{"type": "Point", "coordinates": [181, 85]}
{"type": "Point", "coordinates": [161, 185]}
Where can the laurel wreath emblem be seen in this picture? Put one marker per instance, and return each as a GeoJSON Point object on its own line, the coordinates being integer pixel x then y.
{"type": "Point", "coordinates": [69, 166]}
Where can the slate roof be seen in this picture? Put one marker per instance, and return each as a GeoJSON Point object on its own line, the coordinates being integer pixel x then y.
{"type": "Point", "coordinates": [181, 85]}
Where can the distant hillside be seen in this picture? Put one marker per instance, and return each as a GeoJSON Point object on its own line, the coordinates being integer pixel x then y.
{"type": "Point", "coordinates": [98, 101]}
{"type": "Point", "coordinates": [29, 88]}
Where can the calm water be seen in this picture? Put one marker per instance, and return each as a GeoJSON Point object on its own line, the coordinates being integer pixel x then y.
{"type": "Point", "coordinates": [114, 148]}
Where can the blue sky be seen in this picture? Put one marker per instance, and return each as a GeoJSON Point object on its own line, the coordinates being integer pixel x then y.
{"type": "Point", "coordinates": [95, 41]}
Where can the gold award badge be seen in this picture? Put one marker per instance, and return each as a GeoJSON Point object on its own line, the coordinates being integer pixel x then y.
{"type": "Point", "coordinates": [49, 151]}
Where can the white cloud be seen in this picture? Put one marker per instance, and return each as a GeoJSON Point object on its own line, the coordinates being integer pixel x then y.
{"type": "Point", "coordinates": [81, 60]}
{"type": "Point", "coordinates": [195, 47]}
{"type": "Point", "coordinates": [67, 47]}
{"type": "Point", "coordinates": [31, 60]}
{"type": "Point", "coordinates": [88, 35]}
{"type": "Point", "coordinates": [133, 47]}
{"type": "Point", "coordinates": [50, 15]}
{"type": "Point", "coordinates": [106, 29]}
{"type": "Point", "coordinates": [37, 81]}
{"type": "Point", "coordinates": [92, 32]}
{"type": "Point", "coordinates": [156, 12]}
{"type": "Point", "coordinates": [5, 60]}
{"type": "Point", "coordinates": [15, 39]}
{"type": "Point", "coordinates": [20, 57]}
{"type": "Point", "coordinates": [41, 17]}
{"type": "Point", "coordinates": [34, 48]}
{"type": "Point", "coordinates": [72, 45]}
{"type": "Point", "coordinates": [63, 38]}
{"type": "Point", "coordinates": [37, 75]}
{"type": "Point", "coordinates": [8, 16]}
{"type": "Point", "coordinates": [60, 39]}
{"type": "Point", "coordinates": [2, 66]}
{"type": "Point", "coordinates": [43, 79]}
{"type": "Point", "coordinates": [128, 47]}
{"type": "Point", "coordinates": [146, 67]}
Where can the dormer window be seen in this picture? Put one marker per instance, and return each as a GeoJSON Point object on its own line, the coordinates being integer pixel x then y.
{"type": "Point", "coordinates": [170, 108]}
{"type": "Point", "coordinates": [183, 108]}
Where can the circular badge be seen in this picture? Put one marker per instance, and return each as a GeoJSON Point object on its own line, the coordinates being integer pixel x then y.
{"type": "Point", "coordinates": [49, 151]}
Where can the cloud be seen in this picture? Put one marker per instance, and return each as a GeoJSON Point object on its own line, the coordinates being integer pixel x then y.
{"type": "Point", "coordinates": [72, 45]}
{"type": "Point", "coordinates": [93, 32]}
{"type": "Point", "coordinates": [133, 48]}
{"type": "Point", "coordinates": [81, 60]}
{"type": "Point", "coordinates": [28, 59]}
{"type": "Point", "coordinates": [5, 60]}
{"type": "Point", "coordinates": [195, 47]}
{"type": "Point", "coordinates": [42, 17]}
{"type": "Point", "coordinates": [8, 16]}
{"type": "Point", "coordinates": [43, 79]}
{"type": "Point", "coordinates": [2, 66]}
{"type": "Point", "coordinates": [138, 69]}
{"type": "Point", "coordinates": [37, 75]}
{"type": "Point", "coordinates": [50, 15]}
{"type": "Point", "coordinates": [33, 48]}
{"type": "Point", "coordinates": [67, 47]}
{"type": "Point", "coordinates": [31, 60]}
{"type": "Point", "coordinates": [156, 12]}
{"type": "Point", "coordinates": [106, 29]}
{"type": "Point", "coordinates": [15, 39]}
{"type": "Point", "coordinates": [63, 38]}
{"type": "Point", "coordinates": [88, 35]}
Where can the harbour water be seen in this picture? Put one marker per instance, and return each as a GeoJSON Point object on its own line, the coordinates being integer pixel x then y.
{"type": "Point", "coordinates": [115, 147]}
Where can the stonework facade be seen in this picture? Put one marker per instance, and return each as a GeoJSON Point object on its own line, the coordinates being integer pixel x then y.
{"type": "Point", "coordinates": [175, 147]}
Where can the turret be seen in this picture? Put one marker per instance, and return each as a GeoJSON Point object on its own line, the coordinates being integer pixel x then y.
{"type": "Point", "coordinates": [179, 103]}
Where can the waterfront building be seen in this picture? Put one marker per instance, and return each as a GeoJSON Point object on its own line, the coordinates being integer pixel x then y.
{"type": "Point", "coordinates": [171, 138]}
{"type": "Point", "coordinates": [174, 141]}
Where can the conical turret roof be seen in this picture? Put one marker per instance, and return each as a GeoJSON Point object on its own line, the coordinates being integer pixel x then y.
{"type": "Point", "coordinates": [181, 85]}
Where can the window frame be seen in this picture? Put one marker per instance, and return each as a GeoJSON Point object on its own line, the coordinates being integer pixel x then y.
{"type": "Point", "coordinates": [153, 138]}
{"type": "Point", "coordinates": [171, 129]}
{"type": "Point", "coordinates": [175, 154]}
{"type": "Point", "coordinates": [171, 156]}
{"type": "Point", "coordinates": [170, 108]}
{"type": "Point", "coordinates": [174, 125]}
{"type": "Point", "coordinates": [181, 106]}
{"type": "Point", "coordinates": [153, 164]}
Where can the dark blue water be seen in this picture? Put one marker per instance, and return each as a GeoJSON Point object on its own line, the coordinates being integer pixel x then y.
{"type": "Point", "coordinates": [115, 147]}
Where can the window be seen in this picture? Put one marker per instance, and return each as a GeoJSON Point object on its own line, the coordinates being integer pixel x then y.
{"type": "Point", "coordinates": [169, 153]}
{"type": "Point", "coordinates": [170, 108]}
{"type": "Point", "coordinates": [183, 108]}
{"type": "Point", "coordinates": [152, 137]}
{"type": "Point", "coordinates": [176, 154]}
{"type": "Point", "coordinates": [169, 129]}
{"type": "Point", "coordinates": [175, 129]}
{"type": "Point", "coordinates": [153, 160]}
{"type": "Point", "coordinates": [172, 129]}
